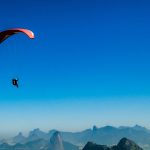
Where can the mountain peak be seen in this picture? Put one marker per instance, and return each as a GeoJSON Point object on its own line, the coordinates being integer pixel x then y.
{"type": "Point", "coordinates": [20, 134]}
{"type": "Point", "coordinates": [126, 144]}
{"type": "Point", "coordinates": [36, 134]}
{"type": "Point", "coordinates": [109, 128]}
{"type": "Point", "coordinates": [36, 131]}
{"type": "Point", "coordinates": [95, 128]}
{"type": "Point", "coordinates": [56, 137]}
{"type": "Point", "coordinates": [125, 141]}
{"type": "Point", "coordinates": [137, 127]}
{"type": "Point", "coordinates": [19, 138]}
{"type": "Point", "coordinates": [56, 142]}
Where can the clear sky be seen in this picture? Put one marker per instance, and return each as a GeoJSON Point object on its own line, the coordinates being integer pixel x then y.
{"type": "Point", "coordinates": [89, 64]}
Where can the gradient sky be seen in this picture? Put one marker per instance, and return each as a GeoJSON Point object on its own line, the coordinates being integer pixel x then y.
{"type": "Point", "coordinates": [89, 64]}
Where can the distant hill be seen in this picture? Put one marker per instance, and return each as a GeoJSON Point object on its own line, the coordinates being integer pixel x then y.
{"type": "Point", "coordinates": [124, 144]}
{"type": "Point", "coordinates": [19, 138]}
{"type": "Point", "coordinates": [55, 143]}
{"type": "Point", "coordinates": [107, 135]}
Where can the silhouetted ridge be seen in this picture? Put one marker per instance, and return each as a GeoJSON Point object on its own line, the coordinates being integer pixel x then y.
{"type": "Point", "coordinates": [124, 144]}
{"type": "Point", "coordinates": [93, 146]}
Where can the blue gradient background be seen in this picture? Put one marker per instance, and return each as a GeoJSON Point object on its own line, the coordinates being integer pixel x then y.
{"type": "Point", "coordinates": [89, 64]}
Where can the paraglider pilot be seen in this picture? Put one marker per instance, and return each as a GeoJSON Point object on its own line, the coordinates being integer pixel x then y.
{"type": "Point", "coordinates": [15, 82]}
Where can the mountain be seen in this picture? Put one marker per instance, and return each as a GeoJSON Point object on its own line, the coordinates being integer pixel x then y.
{"type": "Point", "coordinates": [19, 138]}
{"type": "Point", "coordinates": [137, 127]}
{"type": "Point", "coordinates": [124, 144]}
{"type": "Point", "coordinates": [37, 134]}
{"type": "Point", "coordinates": [55, 143]}
{"type": "Point", "coordinates": [107, 135]}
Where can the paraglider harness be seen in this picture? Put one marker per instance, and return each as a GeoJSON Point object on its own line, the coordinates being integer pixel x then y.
{"type": "Point", "coordinates": [15, 82]}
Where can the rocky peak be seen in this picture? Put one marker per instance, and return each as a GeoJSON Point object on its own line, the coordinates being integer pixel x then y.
{"type": "Point", "coordinates": [95, 128]}
{"type": "Point", "coordinates": [126, 144]}
{"type": "Point", "coordinates": [37, 132]}
{"type": "Point", "coordinates": [20, 134]}
{"type": "Point", "coordinates": [56, 142]}
{"type": "Point", "coordinates": [19, 138]}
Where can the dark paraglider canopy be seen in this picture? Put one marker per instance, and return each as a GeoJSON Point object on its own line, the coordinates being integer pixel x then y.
{"type": "Point", "coordinates": [7, 33]}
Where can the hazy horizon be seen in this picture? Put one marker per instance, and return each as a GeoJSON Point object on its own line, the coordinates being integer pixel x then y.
{"type": "Point", "coordinates": [57, 117]}
{"type": "Point", "coordinates": [26, 133]}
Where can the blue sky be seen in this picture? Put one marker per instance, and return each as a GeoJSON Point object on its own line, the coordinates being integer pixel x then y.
{"type": "Point", "coordinates": [88, 64]}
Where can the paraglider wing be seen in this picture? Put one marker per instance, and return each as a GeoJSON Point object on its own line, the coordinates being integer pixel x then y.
{"type": "Point", "coordinates": [7, 33]}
